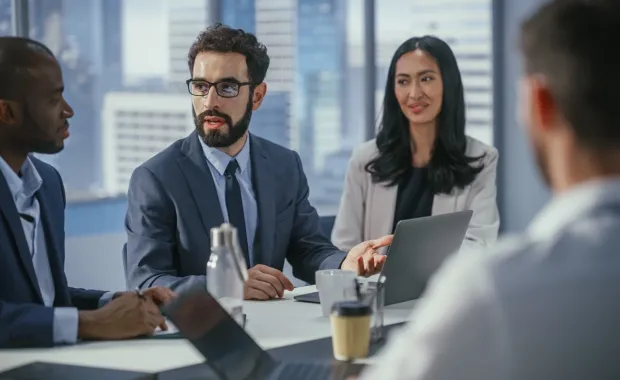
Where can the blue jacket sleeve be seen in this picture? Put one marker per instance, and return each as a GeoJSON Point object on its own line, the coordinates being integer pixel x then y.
{"type": "Point", "coordinates": [85, 299]}
{"type": "Point", "coordinates": [26, 325]}
{"type": "Point", "coordinates": [151, 236]}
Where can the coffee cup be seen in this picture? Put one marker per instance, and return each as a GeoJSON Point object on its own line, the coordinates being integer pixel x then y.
{"type": "Point", "coordinates": [350, 321]}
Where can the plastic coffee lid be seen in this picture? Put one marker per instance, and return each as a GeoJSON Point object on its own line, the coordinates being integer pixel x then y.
{"type": "Point", "coordinates": [351, 309]}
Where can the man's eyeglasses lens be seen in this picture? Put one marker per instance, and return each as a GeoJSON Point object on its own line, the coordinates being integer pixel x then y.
{"type": "Point", "coordinates": [224, 89]}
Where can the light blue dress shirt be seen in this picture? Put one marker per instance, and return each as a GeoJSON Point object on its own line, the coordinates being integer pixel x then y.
{"type": "Point", "coordinates": [23, 190]}
{"type": "Point", "coordinates": [218, 161]}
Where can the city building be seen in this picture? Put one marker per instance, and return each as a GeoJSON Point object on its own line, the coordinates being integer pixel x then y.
{"type": "Point", "coordinates": [6, 18]}
{"type": "Point", "coordinates": [136, 126]}
{"type": "Point", "coordinates": [321, 91]}
{"type": "Point", "coordinates": [85, 37]}
{"type": "Point", "coordinates": [316, 86]}
{"type": "Point", "coordinates": [186, 18]}
{"type": "Point", "coordinates": [275, 28]}
{"type": "Point", "coordinates": [466, 26]}
{"type": "Point", "coordinates": [273, 120]}
{"type": "Point", "coordinates": [239, 14]}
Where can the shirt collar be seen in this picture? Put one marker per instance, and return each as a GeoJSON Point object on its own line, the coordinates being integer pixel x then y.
{"type": "Point", "coordinates": [29, 183]}
{"type": "Point", "coordinates": [573, 204]}
{"type": "Point", "coordinates": [220, 160]}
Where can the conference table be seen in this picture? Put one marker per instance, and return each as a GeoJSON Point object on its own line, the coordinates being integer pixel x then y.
{"type": "Point", "coordinates": [273, 324]}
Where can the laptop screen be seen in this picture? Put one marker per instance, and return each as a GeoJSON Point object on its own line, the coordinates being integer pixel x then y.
{"type": "Point", "coordinates": [227, 348]}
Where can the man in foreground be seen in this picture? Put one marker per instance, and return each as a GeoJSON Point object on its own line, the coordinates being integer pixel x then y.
{"type": "Point", "coordinates": [37, 307]}
{"type": "Point", "coordinates": [544, 305]}
{"type": "Point", "coordinates": [222, 173]}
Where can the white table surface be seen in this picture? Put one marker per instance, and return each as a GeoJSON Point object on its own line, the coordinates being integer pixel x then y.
{"type": "Point", "coordinates": [272, 324]}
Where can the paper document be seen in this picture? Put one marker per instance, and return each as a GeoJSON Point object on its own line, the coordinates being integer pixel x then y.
{"type": "Point", "coordinates": [172, 329]}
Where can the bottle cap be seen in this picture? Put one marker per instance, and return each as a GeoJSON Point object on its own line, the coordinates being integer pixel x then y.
{"type": "Point", "coordinates": [219, 237]}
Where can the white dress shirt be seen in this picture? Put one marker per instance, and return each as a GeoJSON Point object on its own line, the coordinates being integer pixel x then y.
{"type": "Point", "coordinates": [544, 305]}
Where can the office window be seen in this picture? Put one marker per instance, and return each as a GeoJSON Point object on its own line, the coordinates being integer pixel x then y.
{"type": "Point", "coordinates": [466, 25]}
{"type": "Point", "coordinates": [6, 17]}
{"type": "Point", "coordinates": [124, 65]}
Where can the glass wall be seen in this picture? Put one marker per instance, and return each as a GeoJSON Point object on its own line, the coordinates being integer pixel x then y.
{"type": "Point", "coordinates": [124, 65]}
{"type": "Point", "coordinates": [466, 25]}
{"type": "Point", "coordinates": [6, 17]}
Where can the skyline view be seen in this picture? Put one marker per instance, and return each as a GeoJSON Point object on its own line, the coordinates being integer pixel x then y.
{"type": "Point", "coordinates": [124, 66]}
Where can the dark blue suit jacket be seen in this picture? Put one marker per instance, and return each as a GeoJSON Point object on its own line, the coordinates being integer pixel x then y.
{"type": "Point", "coordinates": [173, 204]}
{"type": "Point", "coordinates": [24, 320]}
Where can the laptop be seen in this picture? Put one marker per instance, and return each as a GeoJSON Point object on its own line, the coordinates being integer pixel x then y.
{"type": "Point", "coordinates": [229, 350]}
{"type": "Point", "coordinates": [418, 249]}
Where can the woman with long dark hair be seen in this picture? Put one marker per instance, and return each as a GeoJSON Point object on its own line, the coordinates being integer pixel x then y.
{"type": "Point", "coordinates": [421, 162]}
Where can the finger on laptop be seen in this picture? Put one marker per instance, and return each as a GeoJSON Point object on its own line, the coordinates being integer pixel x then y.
{"type": "Point", "coordinates": [382, 241]}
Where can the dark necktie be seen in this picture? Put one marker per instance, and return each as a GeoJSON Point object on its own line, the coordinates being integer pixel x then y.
{"type": "Point", "coordinates": [234, 204]}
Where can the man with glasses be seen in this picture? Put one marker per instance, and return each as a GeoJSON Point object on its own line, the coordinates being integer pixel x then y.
{"type": "Point", "coordinates": [222, 173]}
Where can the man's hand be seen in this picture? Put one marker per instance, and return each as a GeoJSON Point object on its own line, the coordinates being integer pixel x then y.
{"type": "Point", "coordinates": [127, 316]}
{"type": "Point", "coordinates": [364, 259]}
{"type": "Point", "coordinates": [265, 283]}
{"type": "Point", "coordinates": [158, 294]}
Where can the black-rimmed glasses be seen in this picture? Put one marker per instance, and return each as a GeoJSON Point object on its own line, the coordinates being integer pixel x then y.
{"type": "Point", "coordinates": [225, 89]}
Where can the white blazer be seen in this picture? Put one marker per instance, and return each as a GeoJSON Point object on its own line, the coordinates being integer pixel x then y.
{"type": "Point", "coordinates": [367, 209]}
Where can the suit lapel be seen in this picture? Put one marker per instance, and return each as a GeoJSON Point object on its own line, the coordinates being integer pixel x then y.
{"type": "Point", "coordinates": [13, 220]}
{"type": "Point", "coordinates": [196, 171]}
{"type": "Point", "coordinates": [264, 181]}
{"type": "Point", "coordinates": [53, 248]}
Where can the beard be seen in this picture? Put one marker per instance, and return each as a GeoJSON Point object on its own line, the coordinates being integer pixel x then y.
{"type": "Point", "coordinates": [39, 137]}
{"type": "Point", "coordinates": [216, 138]}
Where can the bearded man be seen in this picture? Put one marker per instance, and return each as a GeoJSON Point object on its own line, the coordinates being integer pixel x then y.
{"type": "Point", "coordinates": [223, 173]}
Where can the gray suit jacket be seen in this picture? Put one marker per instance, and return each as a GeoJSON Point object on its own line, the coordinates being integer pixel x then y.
{"type": "Point", "coordinates": [367, 209]}
{"type": "Point", "coordinates": [540, 305]}
{"type": "Point", "coordinates": [173, 205]}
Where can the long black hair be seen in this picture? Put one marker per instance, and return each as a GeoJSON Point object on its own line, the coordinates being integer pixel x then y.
{"type": "Point", "coordinates": [449, 166]}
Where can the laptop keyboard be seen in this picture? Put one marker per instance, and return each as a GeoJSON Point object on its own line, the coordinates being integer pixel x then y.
{"type": "Point", "coordinates": [308, 371]}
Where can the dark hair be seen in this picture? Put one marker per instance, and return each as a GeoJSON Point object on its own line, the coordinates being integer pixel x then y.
{"type": "Point", "coordinates": [223, 39]}
{"type": "Point", "coordinates": [571, 43]}
{"type": "Point", "coordinates": [449, 167]}
{"type": "Point", "coordinates": [17, 55]}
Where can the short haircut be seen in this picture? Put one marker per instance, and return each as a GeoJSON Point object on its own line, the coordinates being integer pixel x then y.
{"type": "Point", "coordinates": [223, 39]}
{"type": "Point", "coordinates": [17, 55]}
{"type": "Point", "coordinates": [574, 45]}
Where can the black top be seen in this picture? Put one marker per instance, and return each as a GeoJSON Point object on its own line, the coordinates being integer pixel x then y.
{"type": "Point", "coordinates": [415, 198]}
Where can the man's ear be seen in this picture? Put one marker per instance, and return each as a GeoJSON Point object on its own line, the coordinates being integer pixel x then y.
{"type": "Point", "coordinates": [9, 112]}
{"type": "Point", "coordinates": [543, 106]}
{"type": "Point", "coordinates": [259, 95]}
